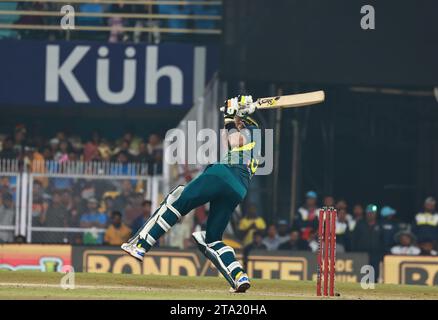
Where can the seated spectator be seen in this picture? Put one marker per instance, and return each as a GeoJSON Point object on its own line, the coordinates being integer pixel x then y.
{"type": "Point", "coordinates": [306, 221]}
{"type": "Point", "coordinates": [390, 227]}
{"type": "Point", "coordinates": [295, 243]}
{"type": "Point", "coordinates": [141, 220]}
{"type": "Point", "coordinates": [155, 150]}
{"type": "Point", "coordinates": [343, 236]}
{"type": "Point", "coordinates": [7, 217]}
{"type": "Point", "coordinates": [405, 245]}
{"type": "Point", "coordinates": [271, 241]}
{"type": "Point", "coordinates": [122, 200]}
{"type": "Point", "coordinates": [426, 248]}
{"type": "Point", "coordinates": [342, 204]}
{"type": "Point", "coordinates": [256, 244]}
{"type": "Point", "coordinates": [91, 151]}
{"type": "Point", "coordinates": [134, 208]}
{"type": "Point", "coordinates": [93, 219]}
{"type": "Point", "coordinates": [117, 232]}
{"type": "Point", "coordinates": [249, 224]}
{"type": "Point", "coordinates": [426, 222]}
{"type": "Point", "coordinates": [283, 230]}
{"type": "Point", "coordinates": [143, 154]}
{"type": "Point", "coordinates": [63, 151]}
{"type": "Point", "coordinates": [109, 204]}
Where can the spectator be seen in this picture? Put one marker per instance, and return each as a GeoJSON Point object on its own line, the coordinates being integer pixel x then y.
{"type": "Point", "coordinates": [146, 213]}
{"type": "Point", "coordinates": [117, 232]}
{"type": "Point", "coordinates": [63, 151]}
{"type": "Point", "coordinates": [306, 220]}
{"type": "Point", "coordinates": [343, 237]}
{"type": "Point", "coordinates": [256, 244]}
{"type": "Point", "coordinates": [93, 219]}
{"type": "Point", "coordinates": [7, 215]}
{"type": "Point", "coordinates": [283, 230]}
{"type": "Point", "coordinates": [405, 245]}
{"type": "Point", "coordinates": [367, 237]}
{"type": "Point", "coordinates": [329, 201]}
{"type": "Point", "coordinates": [31, 19]}
{"type": "Point", "coordinates": [294, 243]}
{"type": "Point", "coordinates": [342, 205]}
{"type": "Point", "coordinates": [358, 214]}
{"type": "Point", "coordinates": [134, 208]}
{"type": "Point", "coordinates": [143, 154]}
{"type": "Point", "coordinates": [426, 247]}
{"type": "Point", "coordinates": [272, 240]}
{"type": "Point", "coordinates": [117, 23]}
{"type": "Point", "coordinates": [55, 216]}
{"type": "Point", "coordinates": [122, 200]}
{"type": "Point", "coordinates": [389, 227]}
{"type": "Point", "coordinates": [426, 222]}
{"type": "Point", "coordinates": [155, 150]}
{"type": "Point", "coordinates": [72, 205]}
{"type": "Point", "coordinates": [91, 151]}
{"type": "Point", "coordinates": [249, 224]}
{"type": "Point", "coordinates": [181, 235]}
{"type": "Point", "coordinates": [108, 205]}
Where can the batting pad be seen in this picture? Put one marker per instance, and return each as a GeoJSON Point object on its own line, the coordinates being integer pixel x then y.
{"type": "Point", "coordinates": [222, 256]}
{"type": "Point", "coordinates": [160, 222]}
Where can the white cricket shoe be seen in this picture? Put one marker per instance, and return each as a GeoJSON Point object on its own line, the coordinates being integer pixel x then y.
{"type": "Point", "coordinates": [242, 283]}
{"type": "Point", "coordinates": [137, 252]}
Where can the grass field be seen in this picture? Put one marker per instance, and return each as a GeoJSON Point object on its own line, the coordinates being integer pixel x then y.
{"type": "Point", "coordinates": [43, 285]}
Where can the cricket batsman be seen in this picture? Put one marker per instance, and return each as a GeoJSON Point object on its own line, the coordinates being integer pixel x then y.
{"type": "Point", "coordinates": [223, 184]}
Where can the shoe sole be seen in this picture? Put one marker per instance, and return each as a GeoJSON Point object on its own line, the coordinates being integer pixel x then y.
{"type": "Point", "coordinates": [243, 288]}
{"type": "Point", "coordinates": [138, 259]}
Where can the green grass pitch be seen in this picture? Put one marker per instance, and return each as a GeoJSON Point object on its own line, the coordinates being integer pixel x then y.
{"type": "Point", "coordinates": [44, 285]}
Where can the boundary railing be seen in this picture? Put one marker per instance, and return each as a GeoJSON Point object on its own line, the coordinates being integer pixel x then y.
{"type": "Point", "coordinates": [111, 173]}
{"type": "Point", "coordinates": [11, 172]}
{"type": "Point", "coordinates": [150, 17]}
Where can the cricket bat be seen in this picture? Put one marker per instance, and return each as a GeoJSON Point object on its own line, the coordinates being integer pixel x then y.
{"type": "Point", "coordinates": [291, 101]}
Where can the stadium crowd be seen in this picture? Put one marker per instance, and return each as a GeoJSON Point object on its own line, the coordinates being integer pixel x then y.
{"type": "Point", "coordinates": [63, 147]}
{"type": "Point", "coordinates": [114, 22]}
{"type": "Point", "coordinates": [365, 229]}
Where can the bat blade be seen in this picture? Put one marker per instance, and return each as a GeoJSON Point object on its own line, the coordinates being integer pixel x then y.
{"type": "Point", "coordinates": [291, 101]}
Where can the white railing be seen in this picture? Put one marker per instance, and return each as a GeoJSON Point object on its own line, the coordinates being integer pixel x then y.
{"type": "Point", "coordinates": [101, 177]}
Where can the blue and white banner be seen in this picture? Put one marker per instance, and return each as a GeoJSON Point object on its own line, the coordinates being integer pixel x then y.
{"type": "Point", "coordinates": [35, 73]}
